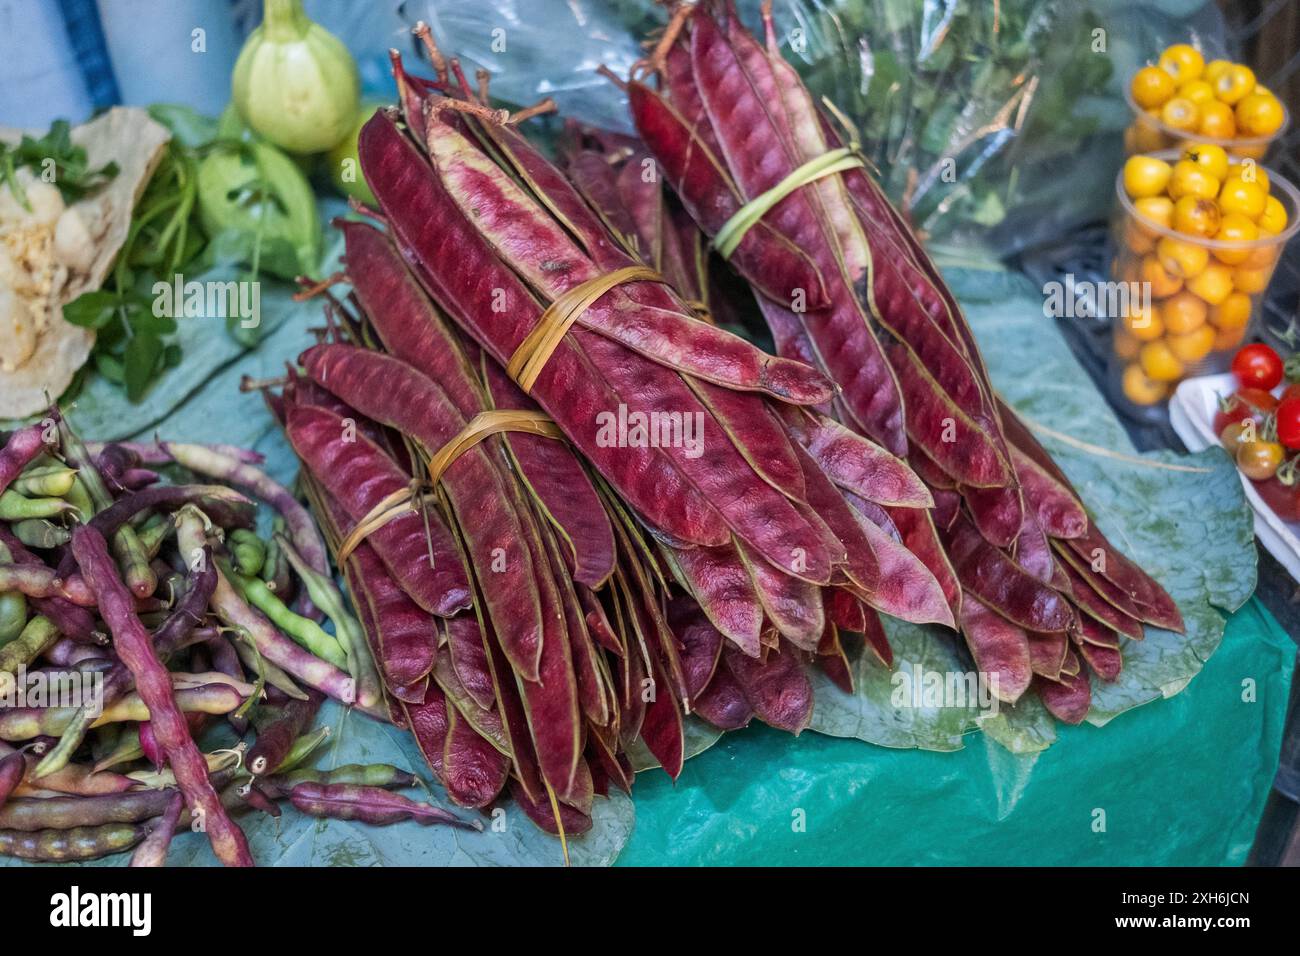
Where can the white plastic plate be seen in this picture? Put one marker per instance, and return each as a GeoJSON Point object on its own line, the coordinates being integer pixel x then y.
{"type": "Point", "coordinates": [1191, 412]}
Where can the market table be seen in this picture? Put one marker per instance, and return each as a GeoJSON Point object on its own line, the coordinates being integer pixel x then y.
{"type": "Point", "coordinates": [1176, 781]}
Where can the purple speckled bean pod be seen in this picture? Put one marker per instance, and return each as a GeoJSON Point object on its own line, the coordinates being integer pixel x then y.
{"type": "Point", "coordinates": [33, 580]}
{"type": "Point", "coordinates": [12, 768]}
{"type": "Point", "coordinates": [227, 507]}
{"type": "Point", "coordinates": [19, 451]}
{"type": "Point", "coordinates": [276, 737]}
{"type": "Point", "coordinates": [153, 850]}
{"type": "Point", "coordinates": [153, 453]}
{"type": "Point", "coordinates": [113, 462]}
{"type": "Point", "coordinates": [63, 813]}
{"type": "Point", "coordinates": [153, 683]}
{"type": "Point", "coordinates": [372, 805]}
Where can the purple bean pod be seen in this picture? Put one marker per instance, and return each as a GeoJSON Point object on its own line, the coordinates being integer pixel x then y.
{"type": "Point", "coordinates": [372, 805]}
{"type": "Point", "coordinates": [153, 683]}
{"type": "Point", "coordinates": [153, 850]}
{"type": "Point", "coordinates": [19, 451]}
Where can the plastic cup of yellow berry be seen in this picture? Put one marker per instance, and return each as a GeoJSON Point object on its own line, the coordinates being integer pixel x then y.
{"type": "Point", "coordinates": [1197, 234]}
{"type": "Point", "coordinates": [1184, 98]}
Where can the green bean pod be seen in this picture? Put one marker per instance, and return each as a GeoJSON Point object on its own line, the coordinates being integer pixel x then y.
{"type": "Point", "coordinates": [13, 606]}
{"type": "Point", "coordinates": [13, 616]}
{"type": "Point", "coordinates": [266, 671]}
{"type": "Point", "coordinates": [46, 481]}
{"type": "Point", "coordinates": [66, 846]}
{"type": "Point", "coordinates": [16, 507]}
{"type": "Point", "coordinates": [302, 749]}
{"type": "Point", "coordinates": [41, 533]}
{"type": "Point", "coordinates": [303, 631]}
{"type": "Point", "coordinates": [37, 635]}
{"type": "Point", "coordinates": [80, 499]}
{"type": "Point", "coordinates": [368, 775]}
{"type": "Point", "coordinates": [125, 749]}
{"type": "Point", "coordinates": [154, 532]}
{"type": "Point", "coordinates": [248, 550]}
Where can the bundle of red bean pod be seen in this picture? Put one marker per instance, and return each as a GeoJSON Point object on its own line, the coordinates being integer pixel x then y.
{"type": "Point", "coordinates": [556, 550]}
{"type": "Point", "coordinates": [846, 287]}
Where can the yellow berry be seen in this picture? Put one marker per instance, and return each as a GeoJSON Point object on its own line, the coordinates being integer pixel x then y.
{"type": "Point", "coordinates": [1196, 216]}
{"type": "Point", "coordinates": [1239, 196]}
{"type": "Point", "coordinates": [1213, 283]}
{"type": "Point", "coordinates": [1258, 114]}
{"type": "Point", "coordinates": [1217, 120]}
{"type": "Point", "coordinates": [1214, 69]}
{"type": "Point", "coordinates": [1262, 256]}
{"type": "Point", "coordinates": [1146, 176]}
{"type": "Point", "coordinates": [1251, 281]}
{"type": "Point", "coordinates": [1182, 312]}
{"type": "Point", "coordinates": [1198, 91]}
{"type": "Point", "coordinates": [1209, 157]}
{"type": "Point", "coordinates": [1229, 339]}
{"type": "Point", "coordinates": [1142, 322]}
{"type": "Point", "coordinates": [1139, 388]}
{"type": "Point", "coordinates": [1232, 313]}
{"type": "Point", "coordinates": [1183, 62]}
{"type": "Point", "coordinates": [1248, 170]}
{"type": "Point", "coordinates": [1234, 84]}
{"type": "Point", "coordinates": [1191, 347]}
{"type": "Point", "coordinates": [1273, 218]}
{"type": "Point", "coordinates": [1159, 362]}
{"type": "Point", "coordinates": [1138, 240]}
{"type": "Point", "coordinates": [1234, 227]}
{"type": "Point", "coordinates": [1155, 210]}
{"type": "Point", "coordinates": [1182, 258]}
{"type": "Point", "coordinates": [1151, 86]}
{"type": "Point", "coordinates": [1161, 280]}
{"type": "Point", "coordinates": [1190, 179]}
{"type": "Point", "coordinates": [1180, 113]}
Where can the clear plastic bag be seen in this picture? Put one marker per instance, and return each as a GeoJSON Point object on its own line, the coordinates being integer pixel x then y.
{"type": "Point", "coordinates": [997, 122]}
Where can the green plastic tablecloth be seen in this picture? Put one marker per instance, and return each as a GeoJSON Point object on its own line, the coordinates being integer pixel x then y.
{"type": "Point", "coordinates": [1176, 782]}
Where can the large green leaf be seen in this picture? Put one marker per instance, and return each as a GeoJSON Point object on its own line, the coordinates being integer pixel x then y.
{"type": "Point", "coordinates": [1188, 525]}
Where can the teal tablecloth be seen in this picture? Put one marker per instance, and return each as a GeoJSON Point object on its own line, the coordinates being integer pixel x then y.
{"type": "Point", "coordinates": [1176, 782]}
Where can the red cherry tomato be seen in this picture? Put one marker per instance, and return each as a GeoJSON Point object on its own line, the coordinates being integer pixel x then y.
{"type": "Point", "coordinates": [1257, 366]}
{"type": "Point", "coordinates": [1291, 391]}
{"type": "Point", "coordinates": [1283, 499]}
{"type": "Point", "coordinates": [1244, 403]}
{"type": "Point", "coordinates": [1288, 422]}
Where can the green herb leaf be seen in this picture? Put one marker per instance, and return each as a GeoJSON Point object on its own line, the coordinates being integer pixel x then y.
{"type": "Point", "coordinates": [140, 363]}
{"type": "Point", "coordinates": [92, 310]}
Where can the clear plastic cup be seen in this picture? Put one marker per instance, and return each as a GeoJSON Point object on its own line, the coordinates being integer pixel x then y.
{"type": "Point", "coordinates": [1149, 134]}
{"type": "Point", "coordinates": [1189, 302]}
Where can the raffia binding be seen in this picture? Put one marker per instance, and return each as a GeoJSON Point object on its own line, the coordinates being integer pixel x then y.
{"type": "Point", "coordinates": [481, 426]}
{"type": "Point", "coordinates": [734, 229]}
{"type": "Point", "coordinates": [535, 350]}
